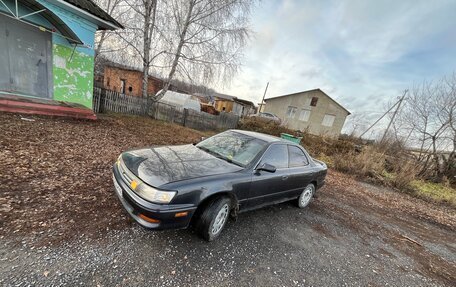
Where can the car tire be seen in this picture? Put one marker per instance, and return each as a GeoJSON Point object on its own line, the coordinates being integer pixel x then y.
{"type": "Point", "coordinates": [213, 218]}
{"type": "Point", "coordinates": [306, 196]}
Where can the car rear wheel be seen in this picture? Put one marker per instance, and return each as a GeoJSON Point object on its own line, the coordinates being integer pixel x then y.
{"type": "Point", "coordinates": [306, 195]}
{"type": "Point", "coordinates": [214, 218]}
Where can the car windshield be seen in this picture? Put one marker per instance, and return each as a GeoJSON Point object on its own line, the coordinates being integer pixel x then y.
{"type": "Point", "coordinates": [233, 147]}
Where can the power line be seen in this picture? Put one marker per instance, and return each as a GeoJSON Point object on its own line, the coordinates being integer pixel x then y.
{"type": "Point", "coordinates": [394, 114]}
{"type": "Point", "coordinates": [384, 114]}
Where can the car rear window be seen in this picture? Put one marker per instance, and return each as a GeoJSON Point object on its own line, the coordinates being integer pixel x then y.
{"type": "Point", "coordinates": [297, 157]}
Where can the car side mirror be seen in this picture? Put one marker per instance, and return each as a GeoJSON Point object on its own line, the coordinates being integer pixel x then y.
{"type": "Point", "coordinates": [202, 138]}
{"type": "Point", "coordinates": [266, 167]}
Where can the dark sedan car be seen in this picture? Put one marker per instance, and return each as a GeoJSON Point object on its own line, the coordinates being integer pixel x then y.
{"type": "Point", "coordinates": [234, 171]}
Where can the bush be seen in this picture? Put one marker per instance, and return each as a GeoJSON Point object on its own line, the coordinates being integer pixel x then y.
{"type": "Point", "coordinates": [315, 145]}
{"type": "Point", "coordinates": [387, 163]}
{"type": "Point", "coordinates": [369, 162]}
{"type": "Point", "coordinates": [404, 173]}
{"type": "Point", "coordinates": [263, 126]}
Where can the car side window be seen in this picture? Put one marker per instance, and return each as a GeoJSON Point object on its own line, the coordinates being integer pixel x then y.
{"type": "Point", "coordinates": [276, 155]}
{"type": "Point", "coordinates": [297, 157]}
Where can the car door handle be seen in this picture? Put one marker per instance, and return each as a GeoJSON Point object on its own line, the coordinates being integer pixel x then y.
{"type": "Point", "coordinates": [284, 177]}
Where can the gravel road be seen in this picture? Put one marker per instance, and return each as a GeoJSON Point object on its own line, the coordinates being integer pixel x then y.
{"type": "Point", "coordinates": [336, 241]}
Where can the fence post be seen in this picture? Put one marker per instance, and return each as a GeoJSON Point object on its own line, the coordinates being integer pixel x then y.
{"type": "Point", "coordinates": [185, 117]}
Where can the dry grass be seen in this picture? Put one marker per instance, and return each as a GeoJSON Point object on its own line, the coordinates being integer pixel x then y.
{"type": "Point", "coordinates": [369, 162]}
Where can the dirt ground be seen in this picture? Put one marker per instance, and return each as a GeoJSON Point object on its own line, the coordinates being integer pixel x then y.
{"type": "Point", "coordinates": [56, 173]}
{"type": "Point", "coordinates": [62, 224]}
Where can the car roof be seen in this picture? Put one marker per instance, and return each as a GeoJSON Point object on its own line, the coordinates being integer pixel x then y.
{"type": "Point", "coordinates": [264, 137]}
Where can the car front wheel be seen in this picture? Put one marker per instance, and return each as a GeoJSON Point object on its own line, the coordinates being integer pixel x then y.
{"type": "Point", "coordinates": [214, 218]}
{"type": "Point", "coordinates": [306, 196]}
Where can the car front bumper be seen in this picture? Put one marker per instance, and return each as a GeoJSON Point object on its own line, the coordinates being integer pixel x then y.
{"type": "Point", "coordinates": [138, 208]}
{"type": "Point", "coordinates": [320, 184]}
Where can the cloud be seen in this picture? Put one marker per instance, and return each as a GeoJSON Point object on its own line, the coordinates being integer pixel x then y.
{"type": "Point", "coordinates": [362, 53]}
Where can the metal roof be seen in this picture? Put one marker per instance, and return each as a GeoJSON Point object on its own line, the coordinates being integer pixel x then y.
{"type": "Point", "coordinates": [92, 8]}
{"type": "Point", "coordinates": [51, 17]}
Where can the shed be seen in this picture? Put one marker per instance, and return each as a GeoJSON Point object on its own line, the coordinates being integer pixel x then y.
{"type": "Point", "coordinates": [47, 55]}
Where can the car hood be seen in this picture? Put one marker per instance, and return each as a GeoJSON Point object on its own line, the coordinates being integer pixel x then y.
{"type": "Point", "coordinates": [157, 166]}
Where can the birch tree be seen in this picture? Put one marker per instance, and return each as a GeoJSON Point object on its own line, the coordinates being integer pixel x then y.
{"type": "Point", "coordinates": [139, 35]}
{"type": "Point", "coordinates": [205, 40]}
{"type": "Point", "coordinates": [111, 7]}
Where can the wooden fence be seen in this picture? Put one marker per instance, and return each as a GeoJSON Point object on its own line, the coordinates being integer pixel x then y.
{"type": "Point", "coordinates": [110, 101]}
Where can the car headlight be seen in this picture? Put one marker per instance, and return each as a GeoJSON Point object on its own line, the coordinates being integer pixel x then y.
{"type": "Point", "coordinates": [152, 194]}
{"type": "Point", "coordinates": [145, 191]}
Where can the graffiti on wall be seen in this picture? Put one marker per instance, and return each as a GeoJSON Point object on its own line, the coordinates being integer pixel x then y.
{"type": "Point", "coordinates": [73, 75]}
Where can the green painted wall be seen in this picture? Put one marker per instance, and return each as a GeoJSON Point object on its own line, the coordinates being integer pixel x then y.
{"type": "Point", "coordinates": [73, 75]}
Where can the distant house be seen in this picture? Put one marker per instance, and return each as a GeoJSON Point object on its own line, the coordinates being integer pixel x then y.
{"type": "Point", "coordinates": [231, 104]}
{"type": "Point", "coordinates": [47, 55]}
{"type": "Point", "coordinates": [313, 111]}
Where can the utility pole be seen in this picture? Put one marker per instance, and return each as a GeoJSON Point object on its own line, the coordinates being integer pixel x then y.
{"type": "Point", "coordinates": [394, 114]}
{"type": "Point", "coordinates": [264, 95]}
{"type": "Point", "coordinates": [378, 120]}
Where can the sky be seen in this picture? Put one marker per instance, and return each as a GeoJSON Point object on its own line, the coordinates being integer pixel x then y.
{"type": "Point", "coordinates": [361, 53]}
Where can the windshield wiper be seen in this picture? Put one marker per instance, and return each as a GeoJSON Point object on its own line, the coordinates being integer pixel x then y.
{"type": "Point", "coordinates": [217, 155]}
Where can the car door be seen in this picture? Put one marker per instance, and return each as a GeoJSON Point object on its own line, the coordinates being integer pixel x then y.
{"type": "Point", "coordinates": [267, 186]}
{"type": "Point", "coordinates": [299, 172]}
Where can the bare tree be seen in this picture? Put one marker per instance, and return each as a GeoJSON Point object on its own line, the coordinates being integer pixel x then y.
{"type": "Point", "coordinates": [206, 39]}
{"type": "Point", "coordinates": [139, 35]}
{"type": "Point", "coordinates": [356, 124]}
{"type": "Point", "coordinates": [424, 117]}
{"type": "Point", "coordinates": [110, 6]}
{"type": "Point", "coordinates": [448, 102]}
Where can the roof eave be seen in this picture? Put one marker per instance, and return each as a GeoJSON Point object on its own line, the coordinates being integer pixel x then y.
{"type": "Point", "coordinates": [101, 23]}
{"type": "Point", "coordinates": [54, 19]}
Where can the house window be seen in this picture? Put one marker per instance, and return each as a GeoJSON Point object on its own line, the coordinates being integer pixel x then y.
{"type": "Point", "coordinates": [328, 120]}
{"type": "Point", "coordinates": [304, 115]}
{"type": "Point", "coordinates": [291, 112]}
{"type": "Point", "coordinates": [122, 86]}
{"type": "Point", "coordinates": [314, 101]}
{"type": "Point", "coordinates": [109, 82]}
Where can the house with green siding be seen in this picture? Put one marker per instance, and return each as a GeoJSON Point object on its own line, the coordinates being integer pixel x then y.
{"type": "Point", "coordinates": [47, 55]}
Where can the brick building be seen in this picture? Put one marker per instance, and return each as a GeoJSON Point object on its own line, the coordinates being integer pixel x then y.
{"type": "Point", "coordinates": [128, 81]}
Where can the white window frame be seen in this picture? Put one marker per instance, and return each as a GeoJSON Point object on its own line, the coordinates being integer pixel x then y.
{"type": "Point", "coordinates": [328, 120]}
{"type": "Point", "coordinates": [304, 115]}
{"type": "Point", "coordinates": [291, 111]}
